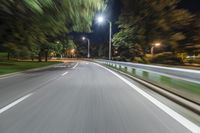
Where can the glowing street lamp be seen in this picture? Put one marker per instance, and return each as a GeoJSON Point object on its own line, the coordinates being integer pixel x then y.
{"type": "Point", "coordinates": [72, 51]}
{"type": "Point", "coordinates": [101, 19]}
{"type": "Point", "coordinates": [157, 44]}
{"type": "Point", "coordinates": [88, 41]}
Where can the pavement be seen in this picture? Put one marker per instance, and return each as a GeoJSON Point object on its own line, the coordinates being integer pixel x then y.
{"type": "Point", "coordinates": [83, 97]}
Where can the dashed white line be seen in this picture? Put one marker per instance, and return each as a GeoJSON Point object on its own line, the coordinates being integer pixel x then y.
{"type": "Point", "coordinates": [64, 73]}
{"type": "Point", "coordinates": [14, 103]}
{"type": "Point", "coordinates": [182, 120]}
{"type": "Point", "coordinates": [75, 66]}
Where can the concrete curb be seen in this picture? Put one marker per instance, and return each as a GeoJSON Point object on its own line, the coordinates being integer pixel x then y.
{"type": "Point", "coordinates": [181, 101]}
{"type": "Point", "coordinates": [29, 70]}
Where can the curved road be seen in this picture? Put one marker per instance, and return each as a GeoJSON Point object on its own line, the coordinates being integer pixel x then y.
{"type": "Point", "coordinates": [85, 98]}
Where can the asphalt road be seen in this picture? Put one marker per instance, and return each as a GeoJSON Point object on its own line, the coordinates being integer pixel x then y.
{"type": "Point", "coordinates": [84, 98]}
{"type": "Point", "coordinates": [181, 73]}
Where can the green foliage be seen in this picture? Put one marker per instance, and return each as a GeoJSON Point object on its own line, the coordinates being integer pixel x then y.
{"type": "Point", "coordinates": [71, 45]}
{"type": "Point", "coordinates": [29, 23]}
{"type": "Point", "coordinates": [193, 60]}
{"type": "Point", "coordinates": [166, 58]}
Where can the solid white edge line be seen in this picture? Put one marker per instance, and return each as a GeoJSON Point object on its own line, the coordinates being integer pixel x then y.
{"type": "Point", "coordinates": [182, 120]}
{"type": "Point", "coordinates": [14, 103]}
{"type": "Point", "coordinates": [75, 65]}
{"type": "Point", "coordinates": [64, 73]}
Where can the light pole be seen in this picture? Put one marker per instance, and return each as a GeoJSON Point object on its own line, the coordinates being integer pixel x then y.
{"type": "Point", "coordinates": [101, 19]}
{"type": "Point", "coordinates": [88, 41]}
{"type": "Point", "coordinates": [153, 46]}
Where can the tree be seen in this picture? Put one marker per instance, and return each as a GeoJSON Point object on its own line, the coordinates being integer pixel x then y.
{"type": "Point", "coordinates": [31, 22]}
{"type": "Point", "coordinates": [144, 22]}
{"type": "Point", "coordinates": [70, 49]}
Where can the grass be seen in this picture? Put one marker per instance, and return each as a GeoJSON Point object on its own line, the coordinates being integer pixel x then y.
{"type": "Point", "coordinates": [186, 89]}
{"type": "Point", "coordinates": [7, 67]}
{"type": "Point", "coordinates": [3, 56]}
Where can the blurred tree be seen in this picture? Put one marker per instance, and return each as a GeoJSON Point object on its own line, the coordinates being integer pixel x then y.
{"type": "Point", "coordinates": [32, 22]}
{"type": "Point", "coordinates": [70, 48]}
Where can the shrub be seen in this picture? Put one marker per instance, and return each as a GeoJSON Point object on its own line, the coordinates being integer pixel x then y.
{"type": "Point", "coordinates": [166, 58]}
{"type": "Point", "coordinates": [140, 60]}
{"type": "Point", "coordinates": [196, 61]}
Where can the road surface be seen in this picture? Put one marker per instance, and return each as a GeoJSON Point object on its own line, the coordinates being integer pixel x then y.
{"type": "Point", "coordinates": [82, 98]}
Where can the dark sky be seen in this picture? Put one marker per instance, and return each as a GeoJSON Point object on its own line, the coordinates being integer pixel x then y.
{"type": "Point", "coordinates": [100, 32]}
{"type": "Point", "coordinates": [192, 5]}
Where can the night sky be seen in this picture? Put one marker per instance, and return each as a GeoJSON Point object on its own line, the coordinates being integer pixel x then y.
{"type": "Point", "coordinates": [100, 32]}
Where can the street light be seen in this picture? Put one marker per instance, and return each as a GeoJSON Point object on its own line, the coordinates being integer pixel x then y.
{"type": "Point", "coordinates": [88, 41]}
{"type": "Point", "coordinates": [72, 51]}
{"type": "Point", "coordinates": [101, 19]}
{"type": "Point", "coordinates": [153, 46]}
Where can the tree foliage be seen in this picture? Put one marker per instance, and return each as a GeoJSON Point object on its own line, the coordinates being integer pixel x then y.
{"type": "Point", "coordinates": [28, 23]}
{"type": "Point", "coordinates": [144, 22]}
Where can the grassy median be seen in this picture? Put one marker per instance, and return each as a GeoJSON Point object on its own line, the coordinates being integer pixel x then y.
{"type": "Point", "coordinates": [7, 67]}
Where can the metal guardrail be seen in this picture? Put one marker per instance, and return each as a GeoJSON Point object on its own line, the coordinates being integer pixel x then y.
{"type": "Point", "coordinates": [183, 88]}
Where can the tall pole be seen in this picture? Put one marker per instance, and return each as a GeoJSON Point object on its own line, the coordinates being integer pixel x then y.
{"type": "Point", "coordinates": [88, 48]}
{"type": "Point", "coordinates": [152, 50]}
{"type": "Point", "coordinates": [110, 41]}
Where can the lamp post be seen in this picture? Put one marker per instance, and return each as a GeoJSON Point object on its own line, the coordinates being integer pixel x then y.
{"type": "Point", "coordinates": [101, 19]}
{"type": "Point", "coordinates": [153, 47]}
{"type": "Point", "coordinates": [88, 41]}
{"type": "Point", "coordinates": [72, 51]}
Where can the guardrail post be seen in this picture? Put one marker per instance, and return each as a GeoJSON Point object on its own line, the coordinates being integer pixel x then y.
{"type": "Point", "coordinates": [120, 67]}
{"type": "Point", "coordinates": [133, 71]}
{"type": "Point", "coordinates": [145, 74]}
{"type": "Point", "coordinates": [125, 68]}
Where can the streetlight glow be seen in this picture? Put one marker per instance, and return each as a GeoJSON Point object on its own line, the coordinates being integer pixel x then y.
{"type": "Point", "coordinates": [83, 38]}
{"type": "Point", "coordinates": [72, 51]}
{"type": "Point", "coordinates": [100, 19]}
{"type": "Point", "coordinates": [157, 44]}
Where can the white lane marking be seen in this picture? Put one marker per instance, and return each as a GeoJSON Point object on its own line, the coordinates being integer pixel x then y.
{"type": "Point", "coordinates": [15, 103]}
{"type": "Point", "coordinates": [75, 66]}
{"type": "Point", "coordinates": [64, 73]}
{"type": "Point", "coordinates": [10, 76]}
{"type": "Point", "coordinates": [6, 77]}
{"type": "Point", "coordinates": [59, 66]}
{"type": "Point", "coordinates": [182, 120]}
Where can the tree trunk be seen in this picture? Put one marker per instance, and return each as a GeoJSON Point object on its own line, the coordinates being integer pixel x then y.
{"type": "Point", "coordinates": [8, 56]}
{"type": "Point", "coordinates": [40, 56]}
{"type": "Point", "coordinates": [46, 56]}
{"type": "Point", "coordinates": [32, 58]}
